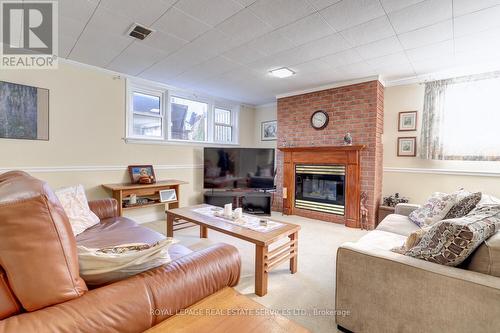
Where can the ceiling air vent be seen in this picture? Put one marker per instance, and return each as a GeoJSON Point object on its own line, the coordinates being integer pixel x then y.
{"type": "Point", "coordinates": [139, 32]}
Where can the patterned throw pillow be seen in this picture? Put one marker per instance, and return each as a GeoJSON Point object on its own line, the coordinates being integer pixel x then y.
{"type": "Point", "coordinates": [434, 210]}
{"type": "Point", "coordinates": [464, 206]}
{"type": "Point", "coordinates": [450, 242]}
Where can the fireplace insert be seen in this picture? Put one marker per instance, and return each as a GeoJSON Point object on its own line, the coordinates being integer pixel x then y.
{"type": "Point", "coordinates": [320, 188]}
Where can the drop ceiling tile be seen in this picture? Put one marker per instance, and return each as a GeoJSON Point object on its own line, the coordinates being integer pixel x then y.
{"type": "Point", "coordinates": [244, 26]}
{"type": "Point", "coordinates": [164, 42]}
{"type": "Point", "coordinates": [307, 29]}
{"type": "Point", "coordinates": [478, 21]}
{"type": "Point", "coordinates": [79, 10]}
{"type": "Point", "coordinates": [166, 69]}
{"type": "Point", "coordinates": [485, 42]}
{"type": "Point", "coordinates": [346, 14]}
{"type": "Point", "coordinates": [245, 3]}
{"type": "Point", "coordinates": [212, 12]}
{"type": "Point", "coordinates": [136, 58]}
{"type": "Point", "coordinates": [379, 48]}
{"type": "Point", "coordinates": [435, 65]}
{"type": "Point", "coordinates": [398, 58]}
{"type": "Point", "coordinates": [461, 7]}
{"type": "Point", "coordinates": [308, 67]}
{"type": "Point", "coordinates": [271, 43]}
{"type": "Point", "coordinates": [357, 70]}
{"type": "Point", "coordinates": [144, 14]}
{"type": "Point", "coordinates": [420, 15]}
{"type": "Point", "coordinates": [245, 54]}
{"type": "Point", "coordinates": [180, 25]}
{"type": "Point", "coordinates": [98, 48]}
{"type": "Point", "coordinates": [321, 4]}
{"type": "Point", "coordinates": [212, 67]}
{"type": "Point", "coordinates": [370, 31]}
{"type": "Point", "coordinates": [264, 65]}
{"type": "Point", "coordinates": [428, 35]}
{"type": "Point", "coordinates": [105, 20]}
{"type": "Point", "coordinates": [441, 49]}
{"type": "Point", "coordinates": [342, 58]}
{"type": "Point", "coordinates": [277, 13]}
{"type": "Point", "coordinates": [212, 43]}
{"type": "Point", "coordinates": [396, 71]}
{"type": "Point", "coordinates": [393, 5]}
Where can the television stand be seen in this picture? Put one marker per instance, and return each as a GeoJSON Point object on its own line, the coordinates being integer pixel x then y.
{"type": "Point", "coordinates": [252, 202]}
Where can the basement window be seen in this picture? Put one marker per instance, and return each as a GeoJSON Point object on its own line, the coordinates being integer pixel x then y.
{"type": "Point", "coordinates": [169, 116]}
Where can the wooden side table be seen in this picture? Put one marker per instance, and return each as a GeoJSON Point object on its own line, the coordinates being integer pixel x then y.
{"type": "Point", "coordinates": [150, 191]}
{"type": "Point", "coordinates": [383, 211]}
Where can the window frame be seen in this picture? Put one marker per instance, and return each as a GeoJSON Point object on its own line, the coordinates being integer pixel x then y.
{"type": "Point", "coordinates": [147, 90]}
{"type": "Point", "coordinates": [165, 94]}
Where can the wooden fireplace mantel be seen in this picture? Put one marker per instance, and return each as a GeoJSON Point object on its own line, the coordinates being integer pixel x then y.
{"type": "Point", "coordinates": [349, 156]}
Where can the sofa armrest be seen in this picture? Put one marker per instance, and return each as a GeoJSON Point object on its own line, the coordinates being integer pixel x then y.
{"type": "Point", "coordinates": [104, 208]}
{"type": "Point", "coordinates": [140, 302]}
{"type": "Point", "coordinates": [388, 292]}
{"type": "Point", "coordinates": [405, 208]}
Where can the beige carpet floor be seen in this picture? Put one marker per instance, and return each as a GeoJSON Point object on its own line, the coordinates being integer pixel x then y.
{"type": "Point", "coordinates": [312, 287]}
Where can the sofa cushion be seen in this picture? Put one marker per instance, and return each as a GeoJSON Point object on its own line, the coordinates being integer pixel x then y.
{"type": "Point", "coordinates": [9, 305]}
{"type": "Point", "coordinates": [450, 242]}
{"type": "Point", "coordinates": [382, 240]}
{"type": "Point", "coordinates": [37, 245]}
{"type": "Point", "coordinates": [398, 224]}
{"type": "Point", "coordinates": [486, 259]}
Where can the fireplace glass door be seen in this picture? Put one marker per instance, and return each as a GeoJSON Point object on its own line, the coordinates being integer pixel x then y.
{"type": "Point", "coordinates": [320, 188]}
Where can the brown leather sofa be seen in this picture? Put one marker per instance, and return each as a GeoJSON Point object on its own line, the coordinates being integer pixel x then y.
{"type": "Point", "coordinates": [40, 286]}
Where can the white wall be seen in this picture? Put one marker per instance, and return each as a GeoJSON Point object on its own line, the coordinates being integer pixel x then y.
{"type": "Point", "coordinates": [87, 126]}
{"type": "Point", "coordinates": [418, 178]}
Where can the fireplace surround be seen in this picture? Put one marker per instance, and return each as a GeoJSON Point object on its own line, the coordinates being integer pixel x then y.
{"type": "Point", "coordinates": [328, 178]}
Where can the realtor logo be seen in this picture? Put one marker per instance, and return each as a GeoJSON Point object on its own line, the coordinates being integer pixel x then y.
{"type": "Point", "coordinates": [29, 34]}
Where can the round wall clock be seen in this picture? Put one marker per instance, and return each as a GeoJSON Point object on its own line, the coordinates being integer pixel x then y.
{"type": "Point", "coordinates": [319, 119]}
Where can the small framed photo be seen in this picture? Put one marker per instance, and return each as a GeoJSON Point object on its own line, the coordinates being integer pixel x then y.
{"type": "Point", "coordinates": [269, 130]}
{"type": "Point", "coordinates": [407, 146]}
{"type": "Point", "coordinates": [168, 195]}
{"type": "Point", "coordinates": [407, 121]}
{"type": "Point", "coordinates": [141, 174]}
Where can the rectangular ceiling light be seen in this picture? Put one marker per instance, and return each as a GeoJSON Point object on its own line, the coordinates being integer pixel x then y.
{"type": "Point", "coordinates": [282, 72]}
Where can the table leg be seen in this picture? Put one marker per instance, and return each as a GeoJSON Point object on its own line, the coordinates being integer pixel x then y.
{"type": "Point", "coordinates": [170, 225]}
{"type": "Point", "coordinates": [294, 250]}
{"type": "Point", "coordinates": [260, 270]}
{"type": "Point", "coordinates": [203, 231]}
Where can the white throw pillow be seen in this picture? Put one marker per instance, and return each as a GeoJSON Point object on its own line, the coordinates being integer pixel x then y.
{"type": "Point", "coordinates": [76, 206]}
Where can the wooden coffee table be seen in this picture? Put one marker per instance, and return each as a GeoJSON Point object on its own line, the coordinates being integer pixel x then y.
{"type": "Point", "coordinates": [265, 259]}
{"type": "Point", "coordinates": [227, 311]}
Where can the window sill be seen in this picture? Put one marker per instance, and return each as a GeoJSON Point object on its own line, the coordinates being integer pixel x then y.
{"type": "Point", "coordinates": [177, 142]}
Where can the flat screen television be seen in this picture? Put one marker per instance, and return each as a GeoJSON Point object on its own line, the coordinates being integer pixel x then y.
{"type": "Point", "coordinates": [238, 168]}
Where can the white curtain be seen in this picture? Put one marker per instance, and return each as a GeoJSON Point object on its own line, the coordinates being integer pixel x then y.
{"type": "Point", "coordinates": [461, 119]}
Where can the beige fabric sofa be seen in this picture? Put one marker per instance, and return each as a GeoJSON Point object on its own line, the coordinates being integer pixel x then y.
{"type": "Point", "coordinates": [383, 291]}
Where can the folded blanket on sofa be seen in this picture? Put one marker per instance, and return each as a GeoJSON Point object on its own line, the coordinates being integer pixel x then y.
{"type": "Point", "coordinates": [110, 264]}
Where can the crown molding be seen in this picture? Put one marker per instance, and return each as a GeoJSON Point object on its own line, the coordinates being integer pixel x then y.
{"type": "Point", "coordinates": [331, 86]}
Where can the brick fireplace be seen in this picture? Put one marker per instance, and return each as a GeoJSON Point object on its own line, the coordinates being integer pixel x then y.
{"type": "Point", "coordinates": [357, 109]}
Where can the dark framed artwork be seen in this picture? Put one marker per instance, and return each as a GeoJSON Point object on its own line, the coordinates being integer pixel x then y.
{"type": "Point", "coordinates": [407, 121]}
{"type": "Point", "coordinates": [269, 130]}
{"type": "Point", "coordinates": [407, 146]}
{"type": "Point", "coordinates": [142, 174]}
{"type": "Point", "coordinates": [24, 112]}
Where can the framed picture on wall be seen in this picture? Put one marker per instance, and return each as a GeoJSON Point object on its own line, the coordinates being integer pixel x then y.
{"type": "Point", "coordinates": [269, 130]}
{"type": "Point", "coordinates": [24, 112]}
{"type": "Point", "coordinates": [407, 121]}
{"type": "Point", "coordinates": [407, 146]}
